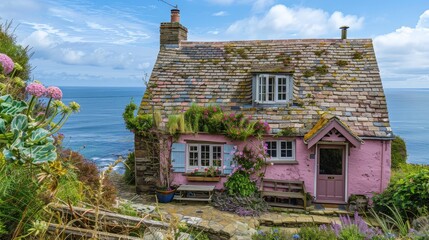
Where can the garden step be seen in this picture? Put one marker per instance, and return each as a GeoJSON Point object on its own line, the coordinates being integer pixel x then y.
{"type": "Point", "coordinates": [295, 220]}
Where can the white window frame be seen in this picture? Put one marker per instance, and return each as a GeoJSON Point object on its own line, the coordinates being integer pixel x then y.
{"type": "Point", "coordinates": [201, 168]}
{"type": "Point", "coordinates": [279, 158]}
{"type": "Point", "coordinates": [258, 92]}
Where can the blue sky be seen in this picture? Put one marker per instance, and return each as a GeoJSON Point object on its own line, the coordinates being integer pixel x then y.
{"type": "Point", "coordinates": [115, 42]}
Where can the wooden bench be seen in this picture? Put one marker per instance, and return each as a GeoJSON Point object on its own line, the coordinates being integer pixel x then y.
{"type": "Point", "coordinates": [194, 193]}
{"type": "Point", "coordinates": [280, 193]}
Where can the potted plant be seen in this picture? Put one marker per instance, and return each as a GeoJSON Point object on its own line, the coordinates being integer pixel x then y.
{"type": "Point", "coordinates": [210, 174]}
{"type": "Point", "coordinates": [164, 191]}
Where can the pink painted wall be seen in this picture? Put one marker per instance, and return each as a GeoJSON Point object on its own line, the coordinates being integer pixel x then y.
{"type": "Point", "coordinates": [368, 166]}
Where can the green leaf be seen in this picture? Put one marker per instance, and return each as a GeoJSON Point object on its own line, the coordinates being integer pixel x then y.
{"type": "Point", "coordinates": [40, 153]}
{"type": "Point", "coordinates": [13, 107]}
{"type": "Point", "coordinates": [2, 126]}
{"type": "Point", "coordinates": [8, 155]}
{"type": "Point", "coordinates": [39, 134]}
{"type": "Point", "coordinates": [6, 98]}
{"type": "Point", "coordinates": [19, 123]}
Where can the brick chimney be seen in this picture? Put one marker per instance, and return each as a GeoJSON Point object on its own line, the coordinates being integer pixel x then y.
{"type": "Point", "coordinates": [173, 32]}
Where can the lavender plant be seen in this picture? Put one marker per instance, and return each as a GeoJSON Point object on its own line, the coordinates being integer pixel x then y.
{"type": "Point", "coordinates": [252, 205]}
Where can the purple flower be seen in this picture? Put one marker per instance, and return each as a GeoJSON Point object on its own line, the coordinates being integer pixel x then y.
{"type": "Point", "coordinates": [295, 236]}
{"type": "Point", "coordinates": [54, 92]}
{"type": "Point", "coordinates": [36, 89]}
{"type": "Point", "coordinates": [7, 63]}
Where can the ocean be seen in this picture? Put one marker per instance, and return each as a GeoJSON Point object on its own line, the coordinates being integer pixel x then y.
{"type": "Point", "coordinates": [98, 131]}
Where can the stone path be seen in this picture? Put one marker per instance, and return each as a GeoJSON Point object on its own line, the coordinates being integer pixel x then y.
{"type": "Point", "coordinates": [225, 225]}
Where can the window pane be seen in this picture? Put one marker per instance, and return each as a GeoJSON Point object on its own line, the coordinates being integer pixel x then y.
{"type": "Point", "coordinates": [205, 155]}
{"type": "Point", "coordinates": [193, 156]}
{"type": "Point", "coordinates": [281, 89]}
{"type": "Point", "coordinates": [283, 149]}
{"type": "Point", "coordinates": [216, 155]}
{"type": "Point", "coordinates": [272, 149]}
{"type": "Point", "coordinates": [271, 84]}
{"type": "Point", "coordinates": [263, 89]}
{"type": "Point", "coordinates": [289, 153]}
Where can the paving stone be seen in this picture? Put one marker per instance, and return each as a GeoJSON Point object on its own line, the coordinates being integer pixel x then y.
{"type": "Point", "coordinates": [321, 220]}
{"type": "Point", "coordinates": [304, 219]}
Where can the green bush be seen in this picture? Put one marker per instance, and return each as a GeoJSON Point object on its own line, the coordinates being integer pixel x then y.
{"type": "Point", "coordinates": [139, 123]}
{"type": "Point", "coordinates": [408, 193]}
{"type": "Point", "coordinates": [129, 175]}
{"type": "Point", "coordinates": [10, 47]}
{"type": "Point", "coordinates": [398, 152]}
{"type": "Point", "coordinates": [240, 184]}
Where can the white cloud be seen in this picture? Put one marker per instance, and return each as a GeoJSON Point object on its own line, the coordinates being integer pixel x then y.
{"type": "Point", "coordinates": [284, 22]}
{"type": "Point", "coordinates": [260, 5]}
{"type": "Point", "coordinates": [220, 14]}
{"type": "Point", "coordinates": [404, 55]}
{"type": "Point", "coordinates": [39, 40]}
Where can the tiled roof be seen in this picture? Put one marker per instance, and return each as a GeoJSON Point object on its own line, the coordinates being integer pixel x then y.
{"type": "Point", "coordinates": [337, 76]}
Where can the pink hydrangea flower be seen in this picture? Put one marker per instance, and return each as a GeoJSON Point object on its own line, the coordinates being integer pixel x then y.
{"type": "Point", "coordinates": [54, 92]}
{"type": "Point", "coordinates": [7, 63]}
{"type": "Point", "coordinates": [36, 89]}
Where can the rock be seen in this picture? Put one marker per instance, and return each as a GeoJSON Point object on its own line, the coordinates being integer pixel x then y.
{"type": "Point", "coordinates": [154, 234]}
{"type": "Point", "coordinates": [191, 220]}
{"type": "Point", "coordinates": [144, 209]}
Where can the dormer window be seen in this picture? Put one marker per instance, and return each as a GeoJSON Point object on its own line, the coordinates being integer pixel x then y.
{"type": "Point", "coordinates": [273, 88]}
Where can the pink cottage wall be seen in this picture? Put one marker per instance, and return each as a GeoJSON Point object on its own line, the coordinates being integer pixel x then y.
{"type": "Point", "coordinates": [368, 166]}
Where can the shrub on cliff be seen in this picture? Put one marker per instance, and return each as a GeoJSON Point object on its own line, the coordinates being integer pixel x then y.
{"type": "Point", "coordinates": [398, 152]}
{"type": "Point", "coordinates": [408, 193]}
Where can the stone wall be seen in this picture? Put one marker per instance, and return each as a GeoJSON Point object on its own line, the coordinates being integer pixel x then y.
{"type": "Point", "coordinates": [146, 164]}
{"type": "Point", "coordinates": [172, 33]}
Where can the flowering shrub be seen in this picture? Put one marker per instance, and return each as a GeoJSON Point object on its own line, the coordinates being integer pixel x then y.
{"type": "Point", "coordinates": [36, 90]}
{"type": "Point", "coordinates": [247, 165]}
{"type": "Point", "coordinates": [209, 119]}
{"type": "Point", "coordinates": [9, 83]}
{"type": "Point", "coordinates": [54, 93]}
{"type": "Point", "coordinates": [6, 63]}
{"type": "Point", "coordinates": [26, 135]}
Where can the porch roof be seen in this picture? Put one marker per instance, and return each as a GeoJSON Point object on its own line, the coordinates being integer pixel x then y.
{"type": "Point", "coordinates": [325, 124]}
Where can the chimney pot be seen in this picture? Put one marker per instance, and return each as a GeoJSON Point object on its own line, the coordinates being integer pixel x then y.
{"type": "Point", "coordinates": [344, 32]}
{"type": "Point", "coordinates": [175, 15]}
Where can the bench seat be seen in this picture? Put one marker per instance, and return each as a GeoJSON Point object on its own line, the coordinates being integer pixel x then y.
{"type": "Point", "coordinates": [280, 193]}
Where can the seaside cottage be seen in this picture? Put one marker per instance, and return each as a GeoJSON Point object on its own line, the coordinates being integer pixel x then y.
{"type": "Point", "coordinates": [322, 98]}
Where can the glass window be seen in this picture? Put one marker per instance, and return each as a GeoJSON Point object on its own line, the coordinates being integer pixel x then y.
{"type": "Point", "coordinates": [201, 156]}
{"type": "Point", "coordinates": [193, 156]}
{"type": "Point", "coordinates": [281, 150]}
{"type": "Point", "coordinates": [273, 88]}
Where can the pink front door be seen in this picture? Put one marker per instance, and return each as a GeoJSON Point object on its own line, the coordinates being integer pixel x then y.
{"type": "Point", "coordinates": [331, 174]}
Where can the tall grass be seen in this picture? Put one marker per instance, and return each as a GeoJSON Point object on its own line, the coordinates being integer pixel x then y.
{"type": "Point", "coordinates": [20, 199]}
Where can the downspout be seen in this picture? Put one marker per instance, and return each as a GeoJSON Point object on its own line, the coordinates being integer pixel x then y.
{"type": "Point", "coordinates": [382, 166]}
